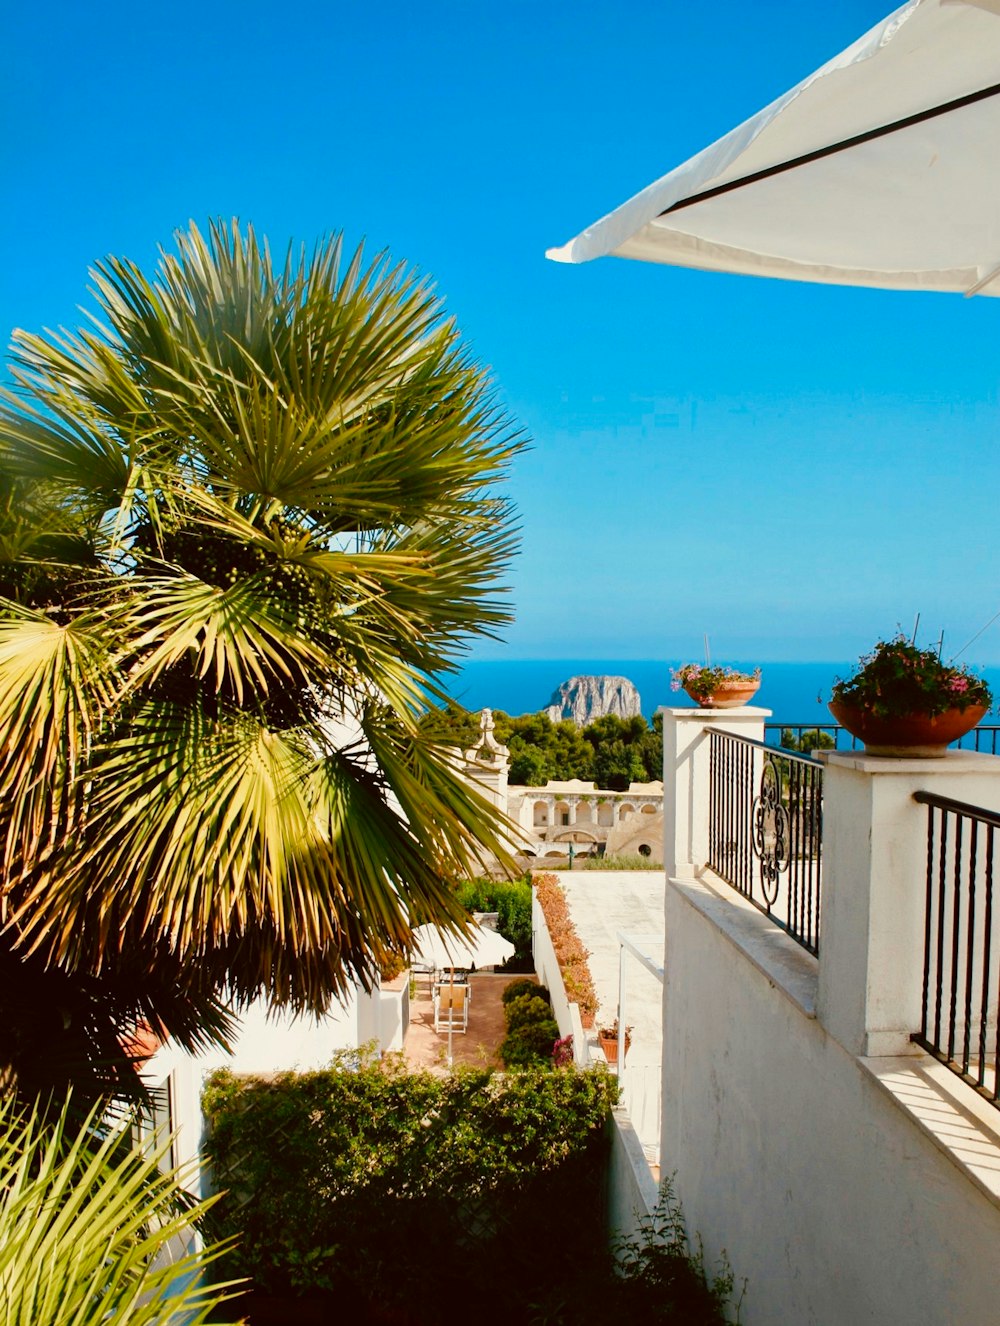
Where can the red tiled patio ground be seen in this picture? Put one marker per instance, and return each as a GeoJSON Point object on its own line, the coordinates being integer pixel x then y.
{"type": "Point", "coordinates": [424, 1048]}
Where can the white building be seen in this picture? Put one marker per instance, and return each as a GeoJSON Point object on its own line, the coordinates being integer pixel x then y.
{"type": "Point", "coordinates": [569, 817]}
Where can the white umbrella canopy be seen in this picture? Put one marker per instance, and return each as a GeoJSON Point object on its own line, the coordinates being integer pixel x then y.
{"type": "Point", "coordinates": [880, 169]}
{"type": "Point", "coordinates": [482, 948]}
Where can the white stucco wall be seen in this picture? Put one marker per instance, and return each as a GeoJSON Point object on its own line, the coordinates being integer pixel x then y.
{"type": "Point", "coordinates": [264, 1044]}
{"type": "Point", "coordinates": [632, 1190]}
{"type": "Point", "coordinates": [830, 1196]}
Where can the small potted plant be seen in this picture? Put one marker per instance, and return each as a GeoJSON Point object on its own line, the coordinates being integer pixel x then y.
{"type": "Point", "coordinates": [716, 687]}
{"type": "Point", "coordinates": [608, 1039]}
{"type": "Point", "coordinates": [904, 701]}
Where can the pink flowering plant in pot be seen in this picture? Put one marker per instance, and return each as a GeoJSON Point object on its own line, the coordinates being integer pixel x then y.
{"type": "Point", "coordinates": [904, 701]}
{"type": "Point", "coordinates": [702, 681]}
{"type": "Point", "coordinates": [898, 679]}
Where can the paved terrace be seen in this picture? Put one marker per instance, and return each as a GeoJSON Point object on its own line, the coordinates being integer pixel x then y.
{"type": "Point", "coordinates": [602, 903]}
{"type": "Point", "coordinates": [425, 1048]}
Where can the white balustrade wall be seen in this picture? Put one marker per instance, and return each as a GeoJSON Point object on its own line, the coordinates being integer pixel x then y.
{"type": "Point", "coordinates": [849, 1176]}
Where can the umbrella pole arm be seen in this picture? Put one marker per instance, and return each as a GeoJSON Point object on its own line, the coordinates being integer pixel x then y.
{"type": "Point", "coordinates": [817, 155]}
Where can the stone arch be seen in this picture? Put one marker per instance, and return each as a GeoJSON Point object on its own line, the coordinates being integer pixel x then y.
{"type": "Point", "coordinates": [541, 813]}
{"type": "Point", "coordinates": [561, 815]}
{"type": "Point", "coordinates": [648, 809]}
{"type": "Point", "coordinates": [584, 812]}
{"type": "Point", "coordinates": [606, 814]}
{"type": "Point", "coordinates": [624, 812]}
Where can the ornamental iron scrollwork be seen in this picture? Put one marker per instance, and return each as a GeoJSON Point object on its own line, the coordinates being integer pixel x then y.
{"type": "Point", "coordinates": [770, 830]}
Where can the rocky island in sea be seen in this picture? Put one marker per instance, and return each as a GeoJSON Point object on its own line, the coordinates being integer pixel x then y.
{"type": "Point", "coordinates": [584, 699]}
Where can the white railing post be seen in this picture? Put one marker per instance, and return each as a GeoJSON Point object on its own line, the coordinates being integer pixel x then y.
{"type": "Point", "coordinates": [686, 775]}
{"type": "Point", "coordinates": [874, 879]}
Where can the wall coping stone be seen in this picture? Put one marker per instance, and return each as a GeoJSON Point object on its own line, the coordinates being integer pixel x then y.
{"type": "Point", "coordinates": [952, 762]}
{"type": "Point", "coordinates": [964, 1126]}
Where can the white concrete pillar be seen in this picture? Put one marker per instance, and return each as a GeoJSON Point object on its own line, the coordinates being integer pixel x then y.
{"type": "Point", "coordinates": [874, 880]}
{"type": "Point", "coordinates": [685, 778]}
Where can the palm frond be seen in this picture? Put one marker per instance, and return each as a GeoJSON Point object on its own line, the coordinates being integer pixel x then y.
{"type": "Point", "coordinates": [56, 681]}
{"type": "Point", "coordinates": [89, 1231]}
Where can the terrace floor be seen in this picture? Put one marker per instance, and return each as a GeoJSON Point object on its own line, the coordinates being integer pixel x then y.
{"type": "Point", "coordinates": [602, 903]}
{"type": "Point", "coordinates": [424, 1048]}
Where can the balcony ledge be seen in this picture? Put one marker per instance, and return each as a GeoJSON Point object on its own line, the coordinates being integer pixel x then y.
{"type": "Point", "coordinates": [965, 1127]}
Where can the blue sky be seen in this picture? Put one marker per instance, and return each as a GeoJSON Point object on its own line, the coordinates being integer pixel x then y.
{"type": "Point", "coordinates": [792, 469]}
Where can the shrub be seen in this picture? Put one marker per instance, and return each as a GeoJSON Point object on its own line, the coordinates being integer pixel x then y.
{"type": "Point", "coordinates": [570, 953]}
{"type": "Point", "coordinates": [525, 1009]}
{"type": "Point", "coordinates": [391, 966]}
{"type": "Point", "coordinates": [562, 1052]}
{"type": "Point", "coordinates": [511, 900]}
{"type": "Point", "coordinates": [386, 1185]}
{"type": "Point", "coordinates": [529, 1044]}
{"type": "Point", "coordinates": [658, 1270]}
{"type": "Point", "coordinates": [524, 985]}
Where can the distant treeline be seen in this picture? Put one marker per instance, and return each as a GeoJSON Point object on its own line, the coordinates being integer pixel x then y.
{"type": "Point", "coordinates": [611, 752]}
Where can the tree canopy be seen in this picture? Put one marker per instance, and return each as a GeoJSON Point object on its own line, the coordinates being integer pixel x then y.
{"type": "Point", "coordinates": [248, 514]}
{"type": "Point", "coordinates": [611, 751]}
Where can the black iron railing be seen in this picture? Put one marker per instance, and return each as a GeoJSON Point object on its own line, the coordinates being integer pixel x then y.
{"type": "Point", "coordinates": [961, 943]}
{"type": "Point", "coordinates": [831, 736]}
{"type": "Point", "coordinates": [766, 829]}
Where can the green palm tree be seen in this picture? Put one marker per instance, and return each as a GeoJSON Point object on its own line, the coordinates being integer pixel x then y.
{"type": "Point", "coordinates": [247, 517]}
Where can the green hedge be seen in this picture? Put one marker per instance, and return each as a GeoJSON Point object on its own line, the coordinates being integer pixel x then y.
{"type": "Point", "coordinates": [524, 985]}
{"type": "Point", "coordinates": [511, 900]}
{"type": "Point", "coordinates": [407, 1186]}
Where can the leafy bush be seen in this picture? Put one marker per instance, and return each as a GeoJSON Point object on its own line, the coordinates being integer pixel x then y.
{"type": "Point", "coordinates": [530, 1044]}
{"type": "Point", "coordinates": [524, 985]}
{"type": "Point", "coordinates": [660, 1278]}
{"type": "Point", "coordinates": [511, 900]}
{"type": "Point", "coordinates": [392, 1192]}
{"type": "Point", "coordinates": [562, 1051]}
{"type": "Point", "coordinates": [525, 1009]}
{"type": "Point", "coordinates": [378, 1185]}
{"type": "Point", "coordinates": [391, 966]}
{"type": "Point", "coordinates": [532, 1031]}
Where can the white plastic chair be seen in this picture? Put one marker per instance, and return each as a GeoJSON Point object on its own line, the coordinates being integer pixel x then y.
{"type": "Point", "coordinates": [451, 1008]}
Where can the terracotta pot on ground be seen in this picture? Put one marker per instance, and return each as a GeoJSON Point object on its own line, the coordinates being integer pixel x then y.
{"type": "Point", "coordinates": [609, 1044]}
{"type": "Point", "coordinates": [727, 695]}
{"type": "Point", "coordinates": [909, 736]}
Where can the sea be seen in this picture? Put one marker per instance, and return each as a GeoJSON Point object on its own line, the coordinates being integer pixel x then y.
{"type": "Point", "coordinates": [794, 692]}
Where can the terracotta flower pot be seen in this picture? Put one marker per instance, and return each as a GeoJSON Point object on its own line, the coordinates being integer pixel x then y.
{"type": "Point", "coordinates": [609, 1044]}
{"type": "Point", "coordinates": [727, 695]}
{"type": "Point", "coordinates": [910, 736]}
